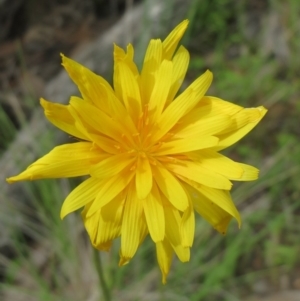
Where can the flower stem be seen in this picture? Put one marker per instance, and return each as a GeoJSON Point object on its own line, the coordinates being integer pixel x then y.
{"type": "Point", "coordinates": [99, 268]}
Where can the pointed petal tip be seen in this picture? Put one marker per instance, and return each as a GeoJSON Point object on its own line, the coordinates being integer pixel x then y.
{"type": "Point", "coordinates": [17, 178]}
{"type": "Point", "coordinates": [208, 73]}
{"type": "Point", "coordinates": [183, 25]}
{"type": "Point", "coordinates": [63, 213]}
{"type": "Point", "coordinates": [64, 60]}
{"type": "Point", "coordinates": [184, 207]}
{"type": "Point", "coordinates": [186, 22]}
{"type": "Point", "coordinates": [262, 110]}
{"type": "Point", "coordinates": [129, 47]}
{"type": "Point", "coordinates": [63, 57]}
{"type": "Point", "coordinates": [222, 227]}
{"type": "Point", "coordinates": [250, 173]}
{"type": "Point", "coordinates": [154, 41]}
{"type": "Point", "coordinates": [238, 220]}
{"type": "Point", "coordinates": [255, 174]}
{"type": "Point", "coordinates": [43, 103]}
{"type": "Point", "coordinates": [142, 194]}
{"type": "Point", "coordinates": [10, 180]}
{"type": "Point", "coordinates": [105, 246]}
{"type": "Point", "coordinates": [123, 261]}
{"type": "Point", "coordinates": [240, 223]}
{"type": "Point", "coordinates": [207, 77]}
{"type": "Point", "coordinates": [157, 240]}
{"type": "Point", "coordinates": [256, 114]}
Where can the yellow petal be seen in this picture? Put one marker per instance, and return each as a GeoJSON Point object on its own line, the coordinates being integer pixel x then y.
{"type": "Point", "coordinates": [183, 104]}
{"type": "Point", "coordinates": [129, 61]}
{"type": "Point", "coordinates": [123, 260]}
{"type": "Point", "coordinates": [96, 120]}
{"type": "Point", "coordinates": [172, 40]}
{"type": "Point", "coordinates": [110, 220]}
{"type": "Point", "coordinates": [110, 188]}
{"type": "Point", "coordinates": [89, 84]}
{"type": "Point", "coordinates": [239, 120]}
{"type": "Point", "coordinates": [164, 253]}
{"type": "Point", "coordinates": [152, 61]}
{"type": "Point", "coordinates": [108, 145]}
{"type": "Point", "coordinates": [254, 116]}
{"type": "Point", "coordinates": [173, 234]}
{"type": "Point", "coordinates": [186, 145]}
{"type": "Point", "coordinates": [80, 196]}
{"type": "Point", "coordinates": [196, 172]}
{"type": "Point", "coordinates": [215, 206]}
{"type": "Point", "coordinates": [119, 55]}
{"type": "Point", "coordinates": [143, 178]}
{"type": "Point", "coordinates": [203, 127]}
{"type": "Point", "coordinates": [131, 224]}
{"type": "Point", "coordinates": [187, 227]}
{"type": "Point", "coordinates": [170, 187]}
{"type": "Point", "coordinates": [105, 246]}
{"type": "Point", "coordinates": [250, 173]}
{"type": "Point", "coordinates": [218, 163]}
{"type": "Point", "coordinates": [161, 89]}
{"type": "Point", "coordinates": [121, 116]}
{"type": "Point", "coordinates": [127, 58]}
{"type": "Point", "coordinates": [143, 233]}
{"type": "Point", "coordinates": [154, 213]}
{"type": "Point", "coordinates": [180, 65]}
{"type": "Point", "coordinates": [61, 117]}
{"type": "Point", "coordinates": [208, 107]}
{"type": "Point", "coordinates": [203, 110]}
{"type": "Point", "coordinates": [130, 91]}
{"type": "Point", "coordinates": [222, 199]}
{"type": "Point", "coordinates": [220, 106]}
{"type": "Point", "coordinates": [68, 160]}
{"type": "Point", "coordinates": [111, 166]}
{"type": "Point", "coordinates": [91, 223]}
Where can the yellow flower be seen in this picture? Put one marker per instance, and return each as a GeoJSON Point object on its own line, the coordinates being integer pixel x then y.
{"type": "Point", "coordinates": [152, 156]}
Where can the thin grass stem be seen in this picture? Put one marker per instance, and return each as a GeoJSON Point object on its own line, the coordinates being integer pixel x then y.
{"type": "Point", "coordinates": [99, 268]}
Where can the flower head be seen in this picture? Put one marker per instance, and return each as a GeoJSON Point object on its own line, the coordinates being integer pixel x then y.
{"type": "Point", "coordinates": [151, 153]}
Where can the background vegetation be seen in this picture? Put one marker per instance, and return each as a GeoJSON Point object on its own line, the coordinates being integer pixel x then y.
{"type": "Point", "coordinates": [252, 47]}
